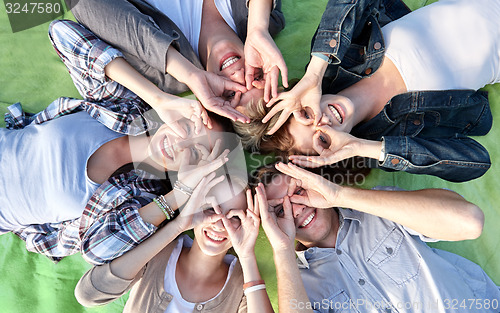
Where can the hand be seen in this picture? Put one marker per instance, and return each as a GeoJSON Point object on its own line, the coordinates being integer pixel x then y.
{"type": "Point", "coordinates": [192, 213]}
{"type": "Point", "coordinates": [318, 191]}
{"type": "Point", "coordinates": [191, 175]}
{"type": "Point", "coordinates": [261, 52]}
{"type": "Point", "coordinates": [210, 89]}
{"type": "Point", "coordinates": [172, 108]}
{"type": "Point", "coordinates": [244, 236]}
{"type": "Point", "coordinates": [279, 230]}
{"type": "Point", "coordinates": [306, 94]}
{"type": "Point", "coordinates": [342, 146]}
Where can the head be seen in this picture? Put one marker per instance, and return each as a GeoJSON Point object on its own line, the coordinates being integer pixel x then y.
{"type": "Point", "coordinates": [226, 58]}
{"type": "Point", "coordinates": [297, 135]}
{"type": "Point", "coordinates": [212, 238]}
{"type": "Point", "coordinates": [314, 227]}
{"type": "Point", "coordinates": [166, 149]}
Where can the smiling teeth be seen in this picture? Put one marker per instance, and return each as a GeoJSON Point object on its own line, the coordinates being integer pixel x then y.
{"type": "Point", "coordinates": [214, 237]}
{"type": "Point", "coordinates": [167, 148]}
{"type": "Point", "coordinates": [308, 220]}
{"type": "Point", "coordinates": [335, 113]}
{"type": "Point", "coordinates": [228, 62]}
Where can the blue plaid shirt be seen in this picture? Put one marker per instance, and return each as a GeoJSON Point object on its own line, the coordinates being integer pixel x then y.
{"type": "Point", "coordinates": [110, 224]}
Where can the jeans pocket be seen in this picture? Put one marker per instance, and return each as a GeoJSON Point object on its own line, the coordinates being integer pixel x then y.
{"type": "Point", "coordinates": [395, 257]}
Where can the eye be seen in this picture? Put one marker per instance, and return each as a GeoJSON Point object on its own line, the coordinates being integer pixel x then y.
{"type": "Point", "coordinates": [324, 140]}
{"type": "Point", "coordinates": [299, 191]}
{"type": "Point", "coordinates": [305, 114]}
{"type": "Point", "coordinates": [209, 211]}
{"type": "Point", "coordinates": [278, 210]}
{"type": "Point", "coordinates": [228, 95]}
{"type": "Point", "coordinates": [195, 154]}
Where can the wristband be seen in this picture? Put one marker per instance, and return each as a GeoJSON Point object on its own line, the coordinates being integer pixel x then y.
{"type": "Point", "coordinates": [254, 288]}
{"type": "Point", "coordinates": [183, 188]}
{"type": "Point", "coordinates": [253, 283]}
{"type": "Point", "coordinates": [165, 208]}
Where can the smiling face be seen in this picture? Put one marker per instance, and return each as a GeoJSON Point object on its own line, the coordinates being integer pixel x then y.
{"type": "Point", "coordinates": [314, 227]}
{"type": "Point", "coordinates": [212, 238]}
{"type": "Point", "coordinates": [166, 148]}
{"type": "Point", "coordinates": [337, 113]}
{"type": "Point", "coordinates": [227, 59]}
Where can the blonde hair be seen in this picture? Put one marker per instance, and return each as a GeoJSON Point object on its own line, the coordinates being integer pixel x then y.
{"type": "Point", "coordinates": [254, 134]}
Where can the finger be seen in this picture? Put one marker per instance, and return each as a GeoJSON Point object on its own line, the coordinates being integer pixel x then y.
{"type": "Point", "coordinates": [291, 170]}
{"type": "Point", "coordinates": [287, 208]}
{"type": "Point", "coordinates": [260, 193]}
{"type": "Point", "coordinates": [239, 213]}
{"type": "Point", "coordinates": [284, 72]}
{"type": "Point", "coordinates": [249, 75]}
{"type": "Point", "coordinates": [275, 100]}
{"type": "Point", "coordinates": [184, 158]}
{"type": "Point", "coordinates": [229, 227]}
{"type": "Point", "coordinates": [230, 112]}
{"type": "Point", "coordinates": [254, 217]}
{"type": "Point", "coordinates": [292, 186]}
{"type": "Point", "coordinates": [178, 130]}
{"type": "Point", "coordinates": [250, 202]}
{"type": "Point", "coordinates": [267, 87]}
{"type": "Point", "coordinates": [307, 161]}
{"type": "Point", "coordinates": [236, 99]}
{"type": "Point", "coordinates": [234, 86]}
{"type": "Point", "coordinates": [281, 120]}
{"type": "Point", "coordinates": [299, 199]}
{"type": "Point", "coordinates": [274, 81]}
{"type": "Point", "coordinates": [215, 164]}
{"type": "Point", "coordinates": [198, 123]}
{"type": "Point", "coordinates": [273, 112]}
{"type": "Point", "coordinates": [205, 118]}
{"type": "Point", "coordinates": [259, 84]}
{"type": "Point", "coordinates": [302, 119]}
{"type": "Point", "coordinates": [205, 153]}
{"type": "Point", "coordinates": [215, 150]}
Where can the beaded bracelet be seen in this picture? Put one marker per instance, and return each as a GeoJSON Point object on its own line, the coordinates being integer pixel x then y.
{"type": "Point", "coordinates": [183, 188]}
{"type": "Point", "coordinates": [165, 208]}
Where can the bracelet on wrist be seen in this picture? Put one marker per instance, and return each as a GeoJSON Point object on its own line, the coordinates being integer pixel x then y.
{"type": "Point", "coordinates": [183, 188]}
{"type": "Point", "coordinates": [253, 283]}
{"type": "Point", "coordinates": [164, 207]}
{"type": "Point", "coordinates": [254, 288]}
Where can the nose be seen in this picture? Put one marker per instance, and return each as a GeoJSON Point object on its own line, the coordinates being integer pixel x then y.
{"type": "Point", "coordinates": [218, 226]}
{"type": "Point", "coordinates": [238, 76]}
{"type": "Point", "coordinates": [297, 209]}
{"type": "Point", "coordinates": [324, 120]}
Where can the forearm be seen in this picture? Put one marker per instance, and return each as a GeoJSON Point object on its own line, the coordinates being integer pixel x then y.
{"type": "Point", "coordinates": [257, 301]}
{"type": "Point", "coordinates": [316, 69]}
{"type": "Point", "coordinates": [435, 213]}
{"type": "Point", "coordinates": [258, 14]}
{"type": "Point", "coordinates": [290, 287]}
{"type": "Point", "coordinates": [128, 265]}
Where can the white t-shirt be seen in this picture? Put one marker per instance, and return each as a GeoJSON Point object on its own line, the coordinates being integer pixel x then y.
{"type": "Point", "coordinates": [178, 304]}
{"type": "Point", "coordinates": [186, 14]}
{"type": "Point", "coordinates": [450, 44]}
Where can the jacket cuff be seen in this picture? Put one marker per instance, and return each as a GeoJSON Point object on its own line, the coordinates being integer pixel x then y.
{"type": "Point", "coordinates": [392, 148]}
{"type": "Point", "coordinates": [100, 55]}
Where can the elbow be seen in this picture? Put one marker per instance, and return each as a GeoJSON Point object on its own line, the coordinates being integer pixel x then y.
{"type": "Point", "coordinates": [473, 224]}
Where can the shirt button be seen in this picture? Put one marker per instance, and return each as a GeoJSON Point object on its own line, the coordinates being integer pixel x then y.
{"type": "Point", "coordinates": [339, 252]}
{"type": "Point", "coordinates": [416, 122]}
{"type": "Point", "coordinates": [377, 45]}
{"type": "Point", "coordinates": [361, 282]}
{"type": "Point", "coordinates": [127, 211]}
{"type": "Point", "coordinates": [361, 51]}
{"type": "Point", "coordinates": [389, 250]}
{"type": "Point", "coordinates": [169, 297]}
{"type": "Point", "coordinates": [333, 43]}
{"type": "Point", "coordinates": [368, 71]}
{"type": "Point", "coordinates": [395, 161]}
{"type": "Point", "coordinates": [199, 307]}
{"type": "Point", "coordinates": [369, 23]}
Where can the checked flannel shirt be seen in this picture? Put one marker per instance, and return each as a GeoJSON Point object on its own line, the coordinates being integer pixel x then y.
{"type": "Point", "coordinates": [110, 223]}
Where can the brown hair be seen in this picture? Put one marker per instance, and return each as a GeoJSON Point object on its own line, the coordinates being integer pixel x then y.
{"type": "Point", "coordinates": [254, 134]}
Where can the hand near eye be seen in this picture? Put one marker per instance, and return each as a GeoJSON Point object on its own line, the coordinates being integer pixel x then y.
{"type": "Point", "coordinates": [318, 191]}
{"type": "Point", "coordinates": [261, 52]}
{"type": "Point", "coordinates": [192, 213]}
{"type": "Point", "coordinates": [171, 109]}
{"type": "Point", "coordinates": [279, 230]}
{"type": "Point", "coordinates": [243, 236]}
{"type": "Point", "coordinates": [209, 88]}
{"type": "Point", "coordinates": [342, 146]}
{"type": "Point", "coordinates": [307, 93]}
{"type": "Point", "coordinates": [191, 174]}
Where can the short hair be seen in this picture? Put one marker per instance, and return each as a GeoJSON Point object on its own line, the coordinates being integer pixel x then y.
{"type": "Point", "coordinates": [254, 135]}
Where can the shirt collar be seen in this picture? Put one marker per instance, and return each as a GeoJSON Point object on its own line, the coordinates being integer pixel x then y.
{"type": "Point", "coordinates": [304, 257]}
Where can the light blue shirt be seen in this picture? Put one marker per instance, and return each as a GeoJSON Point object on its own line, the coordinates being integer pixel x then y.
{"type": "Point", "coordinates": [43, 170]}
{"type": "Point", "coordinates": [380, 266]}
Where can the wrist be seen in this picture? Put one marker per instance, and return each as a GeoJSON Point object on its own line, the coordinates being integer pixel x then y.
{"type": "Point", "coordinates": [316, 68]}
{"type": "Point", "coordinates": [371, 148]}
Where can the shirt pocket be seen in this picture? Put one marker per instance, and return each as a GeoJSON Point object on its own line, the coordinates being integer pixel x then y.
{"type": "Point", "coordinates": [395, 257]}
{"type": "Point", "coordinates": [340, 303]}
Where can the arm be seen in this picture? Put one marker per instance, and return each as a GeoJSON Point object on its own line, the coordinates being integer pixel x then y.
{"type": "Point", "coordinates": [261, 52]}
{"type": "Point", "coordinates": [281, 234]}
{"type": "Point", "coordinates": [435, 213]}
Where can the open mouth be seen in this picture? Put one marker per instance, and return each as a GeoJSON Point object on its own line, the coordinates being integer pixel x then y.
{"type": "Point", "coordinates": [308, 220]}
{"type": "Point", "coordinates": [214, 237]}
{"type": "Point", "coordinates": [227, 61]}
{"type": "Point", "coordinates": [167, 150]}
{"type": "Point", "coordinates": [337, 112]}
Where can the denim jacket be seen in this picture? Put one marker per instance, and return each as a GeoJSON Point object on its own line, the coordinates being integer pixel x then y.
{"type": "Point", "coordinates": [423, 132]}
